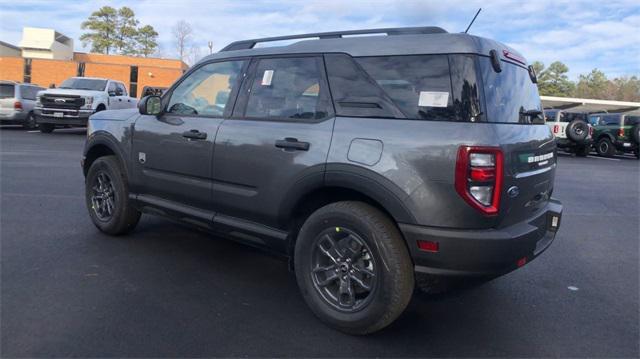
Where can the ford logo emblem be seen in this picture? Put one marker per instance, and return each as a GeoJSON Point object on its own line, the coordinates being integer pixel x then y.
{"type": "Point", "coordinates": [513, 191]}
{"type": "Point", "coordinates": [60, 100]}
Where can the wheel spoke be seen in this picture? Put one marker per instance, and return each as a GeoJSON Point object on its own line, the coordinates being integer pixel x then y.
{"type": "Point", "coordinates": [330, 250]}
{"type": "Point", "coordinates": [332, 277]}
{"type": "Point", "coordinates": [353, 248]}
{"type": "Point", "coordinates": [346, 292]}
{"type": "Point", "coordinates": [364, 271]}
{"type": "Point", "coordinates": [361, 283]}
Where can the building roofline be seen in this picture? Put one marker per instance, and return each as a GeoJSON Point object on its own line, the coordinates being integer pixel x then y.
{"type": "Point", "coordinates": [9, 45]}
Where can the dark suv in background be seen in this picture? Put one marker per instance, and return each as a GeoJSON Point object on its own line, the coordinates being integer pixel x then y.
{"type": "Point", "coordinates": [370, 161]}
{"type": "Point", "coordinates": [616, 132]}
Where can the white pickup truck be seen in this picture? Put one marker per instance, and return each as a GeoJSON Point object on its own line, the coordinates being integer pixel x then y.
{"type": "Point", "coordinates": [76, 99]}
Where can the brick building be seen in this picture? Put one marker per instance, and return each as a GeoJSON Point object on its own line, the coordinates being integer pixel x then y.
{"type": "Point", "coordinates": [40, 63]}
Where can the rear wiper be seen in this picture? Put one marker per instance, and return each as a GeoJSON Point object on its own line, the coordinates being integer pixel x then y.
{"type": "Point", "coordinates": [533, 115]}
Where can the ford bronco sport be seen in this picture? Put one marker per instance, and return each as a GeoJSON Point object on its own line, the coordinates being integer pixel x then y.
{"type": "Point", "coordinates": [369, 161]}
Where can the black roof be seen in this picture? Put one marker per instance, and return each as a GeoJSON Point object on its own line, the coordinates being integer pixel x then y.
{"type": "Point", "coordinates": [398, 41]}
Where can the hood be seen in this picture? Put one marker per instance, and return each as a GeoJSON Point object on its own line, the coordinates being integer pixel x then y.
{"type": "Point", "coordinates": [115, 115]}
{"type": "Point", "coordinates": [71, 92]}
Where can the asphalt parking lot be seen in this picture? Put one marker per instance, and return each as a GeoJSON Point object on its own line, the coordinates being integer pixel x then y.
{"type": "Point", "coordinates": [167, 291]}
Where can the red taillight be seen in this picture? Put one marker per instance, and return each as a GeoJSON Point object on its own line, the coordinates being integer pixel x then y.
{"type": "Point", "coordinates": [478, 177]}
{"type": "Point", "coordinates": [621, 132]}
{"type": "Point", "coordinates": [556, 128]}
{"type": "Point", "coordinates": [428, 246]}
{"type": "Point", "coordinates": [17, 105]}
{"type": "Point", "coordinates": [521, 262]}
{"type": "Point", "coordinates": [591, 131]}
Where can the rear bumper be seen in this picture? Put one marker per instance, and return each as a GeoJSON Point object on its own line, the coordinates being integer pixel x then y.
{"type": "Point", "coordinates": [489, 252]}
{"type": "Point", "coordinates": [13, 117]}
{"type": "Point", "coordinates": [69, 117]}
{"type": "Point", "coordinates": [625, 146]}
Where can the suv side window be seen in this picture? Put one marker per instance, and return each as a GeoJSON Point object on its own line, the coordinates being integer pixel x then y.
{"type": "Point", "coordinates": [612, 120]}
{"type": "Point", "coordinates": [631, 120]}
{"type": "Point", "coordinates": [287, 88]}
{"type": "Point", "coordinates": [28, 92]}
{"type": "Point", "coordinates": [205, 92]}
{"type": "Point", "coordinates": [420, 85]}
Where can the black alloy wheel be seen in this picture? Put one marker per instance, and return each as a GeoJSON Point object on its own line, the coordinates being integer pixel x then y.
{"type": "Point", "coordinates": [343, 270]}
{"type": "Point", "coordinates": [103, 200]}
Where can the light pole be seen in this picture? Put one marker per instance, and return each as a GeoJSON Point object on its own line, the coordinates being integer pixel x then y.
{"type": "Point", "coordinates": [210, 47]}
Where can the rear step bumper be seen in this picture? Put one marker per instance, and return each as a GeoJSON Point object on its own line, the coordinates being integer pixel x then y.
{"type": "Point", "coordinates": [489, 252]}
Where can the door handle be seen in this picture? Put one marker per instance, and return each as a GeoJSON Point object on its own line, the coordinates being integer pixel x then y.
{"type": "Point", "coordinates": [293, 144]}
{"type": "Point", "coordinates": [194, 135]}
{"type": "Point", "coordinates": [120, 99]}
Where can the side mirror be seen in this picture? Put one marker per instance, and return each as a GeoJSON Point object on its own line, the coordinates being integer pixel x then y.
{"type": "Point", "coordinates": [150, 105]}
{"type": "Point", "coordinates": [112, 93]}
{"type": "Point", "coordinates": [119, 92]}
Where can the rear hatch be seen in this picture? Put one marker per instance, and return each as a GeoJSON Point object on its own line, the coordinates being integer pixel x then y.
{"type": "Point", "coordinates": [7, 98]}
{"type": "Point", "coordinates": [629, 124]}
{"type": "Point", "coordinates": [513, 106]}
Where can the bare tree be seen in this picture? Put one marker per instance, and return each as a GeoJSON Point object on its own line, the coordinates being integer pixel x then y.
{"type": "Point", "coordinates": [193, 56]}
{"type": "Point", "coordinates": [182, 33]}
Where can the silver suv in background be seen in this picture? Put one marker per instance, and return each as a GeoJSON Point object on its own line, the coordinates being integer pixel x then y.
{"type": "Point", "coordinates": [17, 101]}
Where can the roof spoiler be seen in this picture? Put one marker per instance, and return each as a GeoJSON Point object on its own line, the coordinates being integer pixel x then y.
{"type": "Point", "coordinates": [250, 44]}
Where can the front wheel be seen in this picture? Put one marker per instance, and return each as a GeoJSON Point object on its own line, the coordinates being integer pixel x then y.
{"type": "Point", "coordinates": [30, 122]}
{"type": "Point", "coordinates": [107, 197]}
{"type": "Point", "coordinates": [353, 267]}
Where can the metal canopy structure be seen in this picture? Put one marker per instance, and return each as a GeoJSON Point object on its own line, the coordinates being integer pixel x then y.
{"type": "Point", "coordinates": [587, 105]}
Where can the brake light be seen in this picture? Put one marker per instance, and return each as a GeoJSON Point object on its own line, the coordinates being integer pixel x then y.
{"type": "Point", "coordinates": [621, 132]}
{"type": "Point", "coordinates": [478, 177]}
{"type": "Point", "coordinates": [17, 105]}
{"type": "Point", "coordinates": [556, 128]}
{"type": "Point", "coordinates": [591, 131]}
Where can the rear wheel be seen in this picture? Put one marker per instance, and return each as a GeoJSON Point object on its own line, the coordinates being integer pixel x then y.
{"type": "Point", "coordinates": [46, 127]}
{"type": "Point", "coordinates": [107, 197]}
{"type": "Point", "coordinates": [605, 148]}
{"type": "Point", "coordinates": [583, 151]}
{"type": "Point", "coordinates": [30, 122]}
{"type": "Point", "coordinates": [353, 267]}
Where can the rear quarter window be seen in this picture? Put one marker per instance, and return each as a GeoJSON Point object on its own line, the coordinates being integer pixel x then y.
{"type": "Point", "coordinates": [631, 120]}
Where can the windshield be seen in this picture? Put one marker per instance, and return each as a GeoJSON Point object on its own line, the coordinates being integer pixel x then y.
{"type": "Point", "coordinates": [510, 95]}
{"type": "Point", "coordinates": [83, 84]}
{"type": "Point", "coordinates": [6, 90]}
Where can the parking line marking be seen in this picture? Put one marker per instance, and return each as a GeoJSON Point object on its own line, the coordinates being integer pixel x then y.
{"type": "Point", "coordinates": [604, 158]}
{"type": "Point", "coordinates": [34, 131]}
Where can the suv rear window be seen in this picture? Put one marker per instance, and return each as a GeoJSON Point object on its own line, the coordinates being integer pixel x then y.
{"type": "Point", "coordinates": [6, 90]}
{"type": "Point", "coordinates": [510, 95]}
{"type": "Point", "coordinates": [631, 120]}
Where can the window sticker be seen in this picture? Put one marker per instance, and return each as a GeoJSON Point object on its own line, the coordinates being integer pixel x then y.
{"type": "Point", "coordinates": [267, 77]}
{"type": "Point", "coordinates": [433, 99]}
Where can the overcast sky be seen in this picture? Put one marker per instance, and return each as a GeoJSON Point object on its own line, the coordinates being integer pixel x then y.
{"type": "Point", "coordinates": [582, 34]}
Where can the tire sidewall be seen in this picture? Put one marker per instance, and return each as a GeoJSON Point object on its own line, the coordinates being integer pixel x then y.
{"type": "Point", "coordinates": [111, 168]}
{"type": "Point", "coordinates": [571, 131]}
{"type": "Point", "coordinates": [372, 312]}
{"type": "Point", "coordinates": [608, 151]}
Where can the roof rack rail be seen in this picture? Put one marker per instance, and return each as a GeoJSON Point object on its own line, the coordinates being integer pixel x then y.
{"type": "Point", "coordinates": [249, 44]}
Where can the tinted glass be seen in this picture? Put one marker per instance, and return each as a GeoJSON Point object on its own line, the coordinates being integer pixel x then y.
{"type": "Point", "coordinates": [112, 87]}
{"type": "Point", "coordinates": [122, 89]}
{"type": "Point", "coordinates": [83, 84]}
{"type": "Point", "coordinates": [466, 93]}
{"type": "Point", "coordinates": [354, 93]}
{"type": "Point", "coordinates": [6, 90]}
{"type": "Point", "coordinates": [550, 115]}
{"type": "Point", "coordinates": [612, 120]}
{"type": "Point", "coordinates": [206, 90]}
{"type": "Point", "coordinates": [631, 120]}
{"type": "Point", "coordinates": [510, 95]}
{"type": "Point", "coordinates": [287, 88]}
{"type": "Point", "coordinates": [420, 86]}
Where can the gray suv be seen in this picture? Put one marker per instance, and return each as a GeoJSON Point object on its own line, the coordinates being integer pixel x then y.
{"type": "Point", "coordinates": [17, 101]}
{"type": "Point", "coordinates": [374, 163]}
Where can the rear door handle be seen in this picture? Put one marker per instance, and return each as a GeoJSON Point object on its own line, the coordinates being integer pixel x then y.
{"type": "Point", "coordinates": [194, 135]}
{"type": "Point", "coordinates": [293, 144]}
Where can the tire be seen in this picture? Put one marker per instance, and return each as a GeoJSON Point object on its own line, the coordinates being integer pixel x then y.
{"type": "Point", "coordinates": [366, 235]}
{"type": "Point", "coordinates": [583, 151]}
{"type": "Point", "coordinates": [635, 133]}
{"type": "Point", "coordinates": [577, 131]}
{"type": "Point", "coordinates": [605, 148]}
{"type": "Point", "coordinates": [107, 197]}
{"type": "Point", "coordinates": [30, 122]}
{"type": "Point", "coordinates": [46, 127]}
